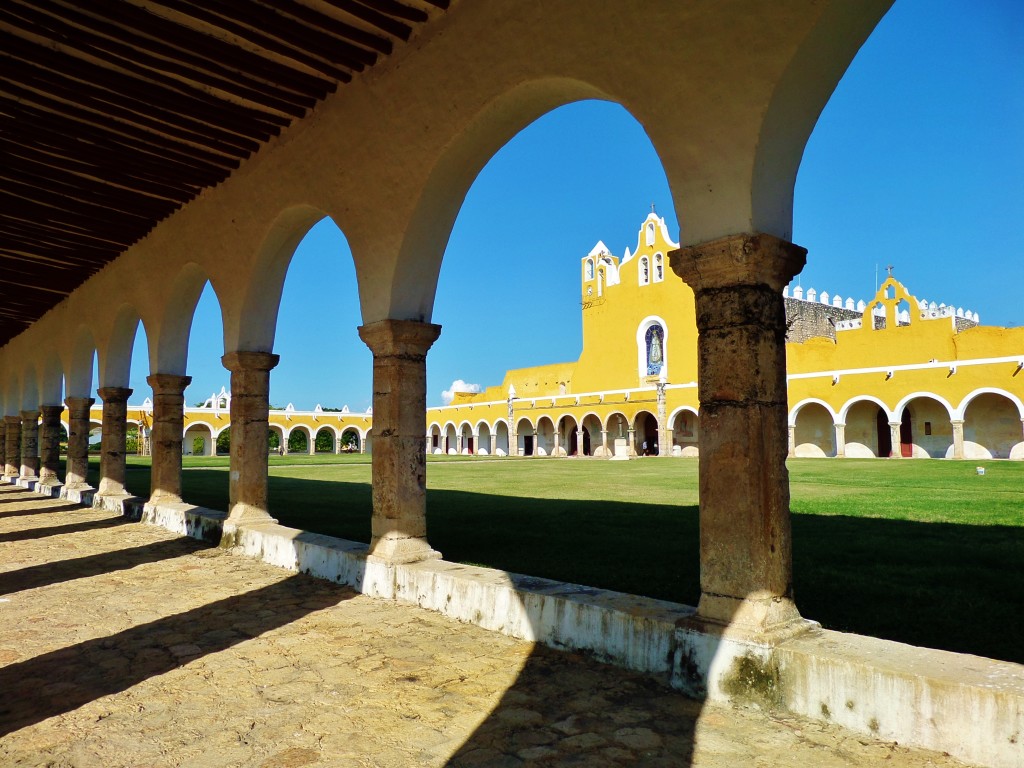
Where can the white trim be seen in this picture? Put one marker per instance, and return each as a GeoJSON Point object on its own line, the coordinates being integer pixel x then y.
{"type": "Point", "coordinates": [961, 410]}
{"type": "Point", "coordinates": [898, 410]}
{"type": "Point", "coordinates": [944, 364]}
{"type": "Point", "coordinates": [795, 410]}
{"type": "Point", "coordinates": [844, 412]}
{"type": "Point", "coordinates": [641, 345]}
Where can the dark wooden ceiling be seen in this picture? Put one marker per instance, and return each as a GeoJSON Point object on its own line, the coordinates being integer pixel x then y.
{"type": "Point", "coordinates": [115, 113]}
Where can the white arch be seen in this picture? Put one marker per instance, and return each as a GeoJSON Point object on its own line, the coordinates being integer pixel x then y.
{"type": "Point", "coordinates": [213, 430]}
{"type": "Point", "coordinates": [494, 426]}
{"type": "Point", "coordinates": [794, 412]}
{"type": "Point", "coordinates": [217, 432]}
{"type": "Point", "coordinates": [464, 424]}
{"type": "Point", "coordinates": [844, 411]}
{"type": "Point", "coordinates": [680, 409]}
{"type": "Point", "coordinates": [962, 409]}
{"type": "Point", "coordinates": [484, 423]}
{"type": "Point", "coordinates": [447, 424]}
{"type": "Point", "coordinates": [568, 414]}
{"type": "Point", "coordinates": [898, 410]}
{"type": "Point", "coordinates": [641, 344]}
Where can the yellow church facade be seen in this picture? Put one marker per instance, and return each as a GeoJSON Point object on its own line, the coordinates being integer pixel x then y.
{"type": "Point", "coordinates": [891, 377]}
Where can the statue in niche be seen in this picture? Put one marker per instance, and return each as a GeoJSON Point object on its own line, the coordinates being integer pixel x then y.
{"type": "Point", "coordinates": [655, 338]}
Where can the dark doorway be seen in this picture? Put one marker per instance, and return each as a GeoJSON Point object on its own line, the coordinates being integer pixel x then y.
{"type": "Point", "coordinates": [586, 442]}
{"type": "Point", "coordinates": [574, 442]}
{"type": "Point", "coordinates": [469, 445]}
{"type": "Point", "coordinates": [527, 445]}
{"type": "Point", "coordinates": [906, 435]}
{"type": "Point", "coordinates": [649, 447]}
{"type": "Point", "coordinates": [884, 435]}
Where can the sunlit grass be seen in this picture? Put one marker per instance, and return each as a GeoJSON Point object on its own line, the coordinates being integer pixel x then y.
{"type": "Point", "coordinates": [927, 552]}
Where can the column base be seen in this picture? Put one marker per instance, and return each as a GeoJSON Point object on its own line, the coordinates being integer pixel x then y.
{"type": "Point", "coordinates": [243, 514]}
{"type": "Point", "coordinates": [393, 549]}
{"type": "Point", "coordinates": [766, 619]}
{"type": "Point", "coordinates": [164, 498]}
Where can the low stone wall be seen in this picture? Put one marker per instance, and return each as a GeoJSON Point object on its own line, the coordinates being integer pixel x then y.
{"type": "Point", "coordinates": [970, 707]}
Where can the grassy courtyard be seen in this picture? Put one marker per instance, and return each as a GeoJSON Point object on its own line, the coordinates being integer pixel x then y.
{"type": "Point", "coordinates": [925, 552]}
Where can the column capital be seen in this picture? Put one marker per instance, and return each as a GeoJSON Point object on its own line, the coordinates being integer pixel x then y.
{"type": "Point", "coordinates": [13, 420]}
{"type": "Point", "coordinates": [51, 410]}
{"type": "Point", "coordinates": [743, 259]}
{"type": "Point", "coordinates": [30, 415]}
{"type": "Point", "coordinates": [956, 422]}
{"type": "Point", "coordinates": [168, 383]}
{"type": "Point", "coordinates": [250, 361]}
{"type": "Point", "coordinates": [403, 338]}
{"type": "Point", "coordinates": [79, 402]}
{"type": "Point", "coordinates": [114, 394]}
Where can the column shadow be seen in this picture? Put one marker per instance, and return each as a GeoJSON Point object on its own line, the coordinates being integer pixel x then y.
{"type": "Point", "coordinates": [42, 510]}
{"type": "Point", "coordinates": [60, 530]}
{"type": "Point", "coordinates": [66, 679]}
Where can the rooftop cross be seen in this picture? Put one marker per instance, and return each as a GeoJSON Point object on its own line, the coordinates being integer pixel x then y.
{"type": "Point", "coordinates": [890, 268]}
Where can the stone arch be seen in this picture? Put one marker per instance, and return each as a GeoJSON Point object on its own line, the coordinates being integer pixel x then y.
{"type": "Point", "coordinates": [684, 424]}
{"type": "Point", "coordinates": [526, 437]}
{"type": "Point", "coordinates": [926, 430]}
{"type": "Point", "coordinates": [434, 436]}
{"type": "Point", "coordinates": [545, 436]}
{"type": "Point", "coordinates": [501, 435]}
{"type": "Point", "coordinates": [867, 428]}
{"type": "Point", "coordinates": [450, 439]}
{"type": "Point", "coordinates": [78, 363]}
{"type": "Point", "coordinates": [962, 409]}
{"type": "Point", "coordinates": [51, 379]}
{"type": "Point", "coordinates": [483, 431]}
{"type": "Point", "coordinates": [306, 432]}
{"type": "Point", "coordinates": [169, 349]}
{"type": "Point", "coordinates": [115, 352]}
{"type": "Point", "coordinates": [466, 445]}
{"type": "Point", "coordinates": [645, 434]}
{"type": "Point", "coordinates": [410, 293]}
{"type": "Point", "coordinates": [200, 430]}
{"type": "Point", "coordinates": [332, 432]}
{"type": "Point", "coordinates": [592, 438]}
{"type": "Point", "coordinates": [28, 391]}
{"type": "Point", "coordinates": [567, 429]}
{"type": "Point", "coordinates": [358, 445]}
{"type": "Point", "coordinates": [250, 322]}
{"type": "Point", "coordinates": [815, 431]}
{"type": "Point", "coordinates": [992, 426]}
{"type": "Point", "coordinates": [276, 429]}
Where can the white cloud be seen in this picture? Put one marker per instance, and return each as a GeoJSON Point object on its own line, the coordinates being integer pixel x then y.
{"type": "Point", "coordinates": [458, 386]}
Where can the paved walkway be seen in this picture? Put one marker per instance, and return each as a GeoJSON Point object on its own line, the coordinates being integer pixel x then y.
{"type": "Point", "coordinates": [123, 645]}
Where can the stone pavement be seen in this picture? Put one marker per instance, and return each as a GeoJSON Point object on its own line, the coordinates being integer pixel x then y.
{"type": "Point", "coordinates": [124, 645]}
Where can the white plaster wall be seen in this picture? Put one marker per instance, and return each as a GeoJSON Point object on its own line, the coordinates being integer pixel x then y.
{"type": "Point", "coordinates": [815, 432]}
{"type": "Point", "coordinates": [992, 426]}
{"type": "Point", "coordinates": [940, 441]}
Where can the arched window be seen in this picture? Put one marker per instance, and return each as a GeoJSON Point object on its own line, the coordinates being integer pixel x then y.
{"type": "Point", "coordinates": [600, 282]}
{"type": "Point", "coordinates": [650, 233]}
{"type": "Point", "coordinates": [654, 340]}
{"type": "Point", "coordinates": [659, 268]}
{"type": "Point", "coordinates": [590, 269]}
{"type": "Point", "coordinates": [645, 271]}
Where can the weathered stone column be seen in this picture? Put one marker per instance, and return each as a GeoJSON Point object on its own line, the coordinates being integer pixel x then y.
{"type": "Point", "coordinates": [78, 441]}
{"type": "Point", "coordinates": [958, 438]}
{"type": "Point", "coordinates": [399, 525]}
{"type": "Point", "coordinates": [49, 444]}
{"type": "Point", "coordinates": [791, 451]}
{"type": "Point", "coordinates": [250, 433]}
{"type": "Point", "coordinates": [476, 443]}
{"type": "Point", "coordinates": [579, 443]}
{"type": "Point", "coordinates": [494, 444]}
{"type": "Point", "coordinates": [3, 447]}
{"type": "Point", "coordinates": [745, 534]}
{"type": "Point", "coordinates": [604, 442]}
{"type": "Point", "coordinates": [168, 430]}
{"type": "Point", "coordinates": [631, 440]}
{"type": "Point", "coordinates": [112, 443]}
{"type": "Point", "coordinates": [513, 442]}
{"type": "Point", "coordinates": [312, 445]}
{"type": "Point", "coordinates": [30, 445]}
{"type": "Point", "coordinates": [557, 446]}
{"type": "Point", "coordinates": [840, 441]}
{"type": "Point", "coordinates": [894, 438]}
{"type": "Point", "coordinates": [12, 447]}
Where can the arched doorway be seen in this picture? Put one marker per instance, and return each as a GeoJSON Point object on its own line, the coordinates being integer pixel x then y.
{"type": "Point", "coordinates": [684, 433]}
{"type": "Point", "coordinates": [992, 427]}
{"type": "Point", "coordinates": [815, 432]}
{"type": "Point", "coordinates": [925, 429]}
{"type": "Point", "coordinates": [645, 434]}
{"type": "Point", "coordinates": [526, 438]}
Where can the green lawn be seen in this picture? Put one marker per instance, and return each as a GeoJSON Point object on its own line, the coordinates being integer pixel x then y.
{"type": "Point", "coordinates": [925, 552]}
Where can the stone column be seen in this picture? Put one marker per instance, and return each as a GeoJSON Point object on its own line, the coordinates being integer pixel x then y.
{"type": "Point", "coordinates": [745, 533]}
{"type": "Point", "coordinates": [78, 441]}
{"type": "Point", "coordinates": [579, 443]}
{"type": "Point", "coordinates": [49, 444]}
{"type": "Point", "coordinates": [604, 442]}
{"type": "Point", "coordinates": [840, 441]}
{"type": "Point", "coordinates": [312, 444]}
{"type": "Point", "coordinates": [362, 444]}
{"type": "Point", "coordinates": [3, 447]}
{"type": "Point", "coordinates": [791, 451]}
{"type": "Point", "coordinates": [250, 433]}
{"type": "Point", "coordinates": [399, 525]}
{"type": "Point", "coordinates": [168, 430]}
{"type": "Point", "coordinates": [894, 438]}
{"type": "Point", "coordinates": [958, 438]}
{"type": "Point", "coordinates": [476, 443]}
{"type": "Point", "coordinates": [112, 444]}
{"type": "Point", "coordinates": [631, 441]}
{"type": "Point", "coordinates": [557, 445]}
{"type": "Point", "coordinates": [12, 447]}
{"type": "Point", "coordinates": [30, 445]}
{"type": "Point", "coordinates": [513, 442]}
{"type": "Point", "coordinates": [494, 444]}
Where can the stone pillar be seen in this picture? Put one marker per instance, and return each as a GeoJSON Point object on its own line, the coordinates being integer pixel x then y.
{"type": "Point", "coordinates": [250, 433]}
{"type": "Point", "coordinates": [362, 444]}
{"type": "Point", "coordinates": [494, 444]}
{"type": "Point", "coordinates": [312, 444]}
{"type": "Point", "coordinates": [958, 438]}
{"type": "Point", "coordinates": [513, 442]}
{"type": "Point", "coordinates": [30, 445]}
{"type": "Point", "coordinates": [12, 447]}
{"type": "Point", "coordinates": [579, 443]}
{"type": "Point", "coordinates": [631, 440]}
{"type": "Point", "coordinates": [49, 444]}
{"type": "Point", "coordinates": [168, 430]}
{"type": "Point", "coordinates": [894, 438]}
{"type": "Point", "coordinates": [3, 447]}
{"type": "Point", "coordinates": [557, 446]}
{"type": "Point", "coordinates": [399, 525]}
{"type": "Point", "coordinates": [112, 444]}
{"type": "Point", "coordinates": [791, 451]}
{"type": "Point", "coordinates": [745, 529]}
{"type": "Point", "coordinates": [840, 441]}
{"type": "Point", "coordinates": [604, 442]}
{"type": "Point", "coordinates": [78, 441]}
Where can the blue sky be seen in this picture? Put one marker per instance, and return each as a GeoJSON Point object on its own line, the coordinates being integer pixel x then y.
{"type": "Point", "coordinates": [917, 161]}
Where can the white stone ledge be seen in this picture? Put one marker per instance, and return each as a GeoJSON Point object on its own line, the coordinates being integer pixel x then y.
{"type": "Point", "coordinates": [968, 706]}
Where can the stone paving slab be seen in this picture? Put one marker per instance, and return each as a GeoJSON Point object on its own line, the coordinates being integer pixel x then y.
{"type": "Point", "coordinates": [124, 645]}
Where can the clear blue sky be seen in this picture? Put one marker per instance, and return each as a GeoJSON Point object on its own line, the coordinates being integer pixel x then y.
{"type": "Point", "coordinates": [917, 161]}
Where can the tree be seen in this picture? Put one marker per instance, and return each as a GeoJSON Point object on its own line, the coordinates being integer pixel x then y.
{"type": "Point", "coordinates": [324, 441]}
{"type": "Point", "coordinates": [298, 442]}
{"type": "Point", "coordinates": [224, 441]}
